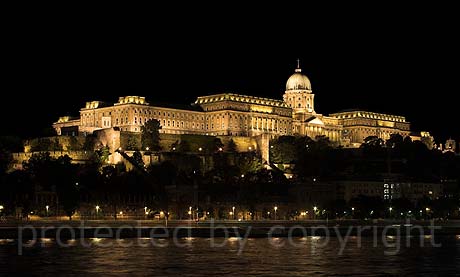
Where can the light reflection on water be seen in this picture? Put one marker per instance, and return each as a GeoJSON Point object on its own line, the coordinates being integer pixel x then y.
{"type": "Point", "coordinates": [6, 241]}
{"type": "Point", "coordinates": [260, 256]}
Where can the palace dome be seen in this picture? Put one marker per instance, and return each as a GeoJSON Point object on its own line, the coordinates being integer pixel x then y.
{"type": "Point", "coordinates": [298, 81]}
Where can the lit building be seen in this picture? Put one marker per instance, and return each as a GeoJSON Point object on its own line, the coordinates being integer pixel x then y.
{"type": "Point", "coordinates": [450, 146]}
{"type": "Point", "coordinates": [389, 190]}
{"type": "Point", "coordinates": [230, 114]}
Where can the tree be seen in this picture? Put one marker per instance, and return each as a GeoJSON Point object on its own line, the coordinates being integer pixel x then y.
{"type": "Point", "coordinates": [65, 174]}
{"type": "Point", "coordinates": [247, 163]}
{"type": "Point", "coordinates": [367, 206]}
{"type": "Point", "coordinates": [402, 205]}
{"type": "Point", "coordinates": [90, 142]}
{"type": "Point", "coordinates": [373, 141]}
{"type": "Point", "coordinates": [184, 146]}
{"type": "Point", "coordinates": [164, 175]}
{"type": "Point", "coordinates": [231, 146]}
{"type": "Point", "coordinates": [284, 150]}
{"type": "Point", "coordinates": [131, 143]}
{"type": "Point", "coordinates": [395, 141]}
{"type": "Point", "coordinates": [137, 158]}
{"type": "Point", "coordinates": [5, 160]}
{"type": "Point", "coordinates": [150, 135]}
{"type": "Point", "coordinates": [217, 144]}
{"type": "Point", "coordinates": [73, 144]}
{"type": "Point", "coordinates": [174, 145]}
{"type": "Point", "coordinates": [57, 175]}
{"type": "Point", "coordinates": [103, 154]}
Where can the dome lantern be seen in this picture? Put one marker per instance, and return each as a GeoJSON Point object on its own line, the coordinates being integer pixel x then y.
{"type": "Point", "coordinates": [298, 81]}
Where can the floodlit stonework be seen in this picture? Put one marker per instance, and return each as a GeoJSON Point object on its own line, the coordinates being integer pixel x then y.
{"type": "Point", "coordinates": [230, 114]}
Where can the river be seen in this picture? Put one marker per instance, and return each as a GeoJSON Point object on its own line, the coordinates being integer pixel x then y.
{"type": "Point", "coordinates": [306, 256]}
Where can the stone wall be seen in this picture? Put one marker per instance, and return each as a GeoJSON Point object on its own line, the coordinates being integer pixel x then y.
{"type": "Point", "coordinates": [56, 143]}
{"type": "Point", "coordinates": [76, 156]}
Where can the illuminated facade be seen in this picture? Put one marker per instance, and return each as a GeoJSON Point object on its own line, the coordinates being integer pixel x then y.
{"type": "Point", "coordinates": [229, 114]}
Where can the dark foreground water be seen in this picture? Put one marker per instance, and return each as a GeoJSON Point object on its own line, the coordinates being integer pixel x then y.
{"type": "Point", "coordinates": [259, 256]}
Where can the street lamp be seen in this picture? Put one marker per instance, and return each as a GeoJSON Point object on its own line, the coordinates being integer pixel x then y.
{"type": "Point", "coordinates": [233, 212]}
{"type": "Point", "coordinates": [1, 207]}
{"type": "Point", "coordinates": [275, 208]}
{"type": "Point", "coordinates": [47, 209]}
{"type": "Point", "coordinates": [190, 212]}
{"type": "Point", "coordinates": [200, 149]}
{"type": "Point", "coordinates": [314, 212]}
{"type": "Point", "coordinates": [97, 210]}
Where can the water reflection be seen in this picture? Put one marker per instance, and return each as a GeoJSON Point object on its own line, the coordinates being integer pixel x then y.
{"type": "Point", "coordinates": [258, 257]}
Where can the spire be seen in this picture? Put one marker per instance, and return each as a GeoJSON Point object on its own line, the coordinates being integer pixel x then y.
{"type": "Point", "coordinates": [298, 69]}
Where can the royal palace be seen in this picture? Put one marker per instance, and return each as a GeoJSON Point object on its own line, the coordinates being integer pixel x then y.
{"type": "Point", "coordinates": [235, 115]}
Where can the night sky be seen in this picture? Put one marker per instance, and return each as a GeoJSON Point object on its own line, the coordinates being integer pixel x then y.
{"type": "Point", "coordinates": [395, 64]}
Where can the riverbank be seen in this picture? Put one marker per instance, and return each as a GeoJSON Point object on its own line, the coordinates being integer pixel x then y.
{"type": "Point", "coordinates": [207, 229]}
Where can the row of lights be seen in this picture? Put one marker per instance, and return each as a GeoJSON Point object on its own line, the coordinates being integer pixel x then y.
{"type": "Point", "coordinates": [199, 149]}
{"type": "Point", "coordinates": [275, 208]}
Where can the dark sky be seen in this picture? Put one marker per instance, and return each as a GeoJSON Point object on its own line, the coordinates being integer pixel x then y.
{"type": "Point", "coordinates": [396, 63]}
